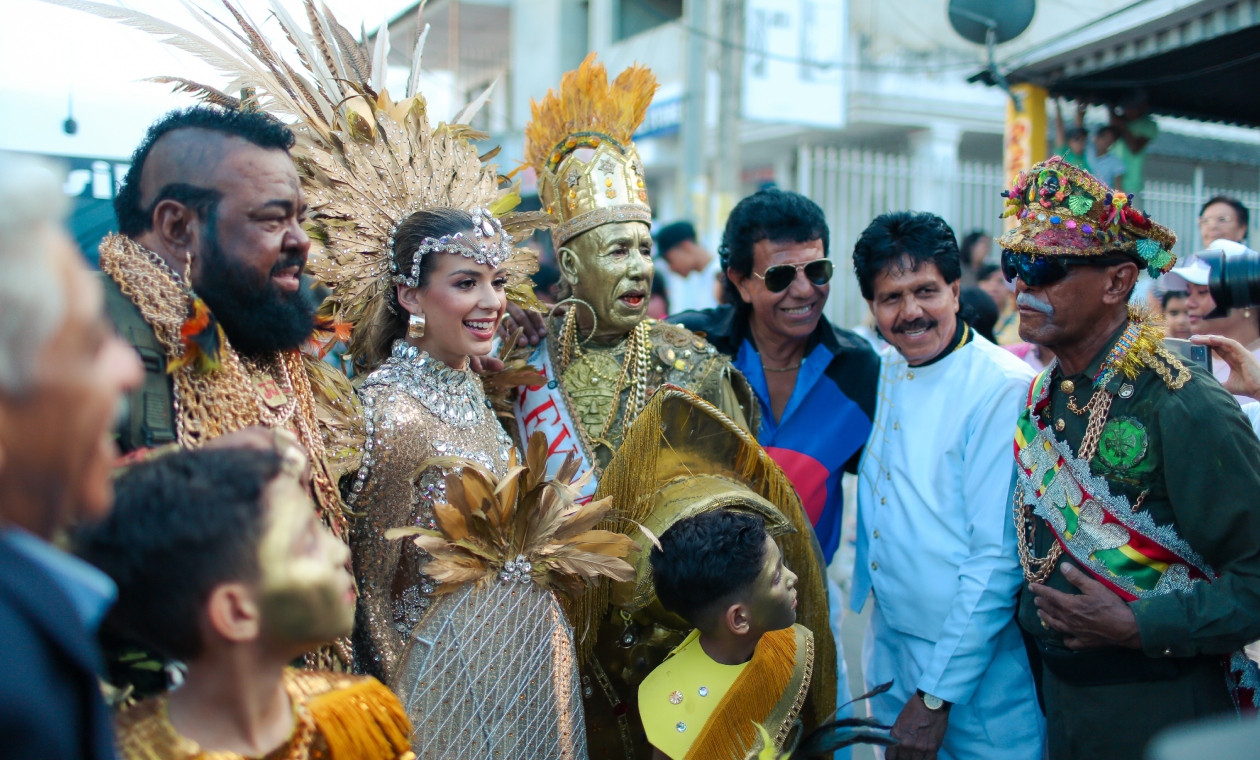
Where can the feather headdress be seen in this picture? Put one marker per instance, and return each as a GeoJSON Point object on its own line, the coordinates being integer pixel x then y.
{"type": "Point", "coordinates": [584, 192]}
{"type": "Point", "coordinates": [518, 528]}
{"type": "Point", "coordinates": [366, 161]}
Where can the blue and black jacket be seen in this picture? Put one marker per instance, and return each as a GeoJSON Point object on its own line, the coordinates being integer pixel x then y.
{"type": "Point", "coordinates": [827, 420]}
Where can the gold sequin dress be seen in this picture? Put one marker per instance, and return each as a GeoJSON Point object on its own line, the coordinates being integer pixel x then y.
{"type": "Point", "coordinates": [483, 671]}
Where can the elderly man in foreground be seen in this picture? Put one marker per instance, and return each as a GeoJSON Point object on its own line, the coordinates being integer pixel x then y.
{"type": "Point", "coordinates": [1143, 578]}
{"type": "Point", "coordinates": [62, 376]}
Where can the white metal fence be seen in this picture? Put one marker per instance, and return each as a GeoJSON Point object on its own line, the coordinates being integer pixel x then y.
{"type": "Point", "coordinates": [854, 186]}
{"type": "Point", "coordinates": [1177, 206]}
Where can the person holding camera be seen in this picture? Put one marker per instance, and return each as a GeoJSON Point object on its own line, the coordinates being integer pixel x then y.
{"type": "Point", "coordinates": [1241, 325]}
{"type": "Point", "coordinates": [1143, 577]}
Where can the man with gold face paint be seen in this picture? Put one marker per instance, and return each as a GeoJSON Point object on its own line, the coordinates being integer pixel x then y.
{"type": "Point", "coordinates": [223, 564]}
{"type": "Point", "coordinates": [606, 358]}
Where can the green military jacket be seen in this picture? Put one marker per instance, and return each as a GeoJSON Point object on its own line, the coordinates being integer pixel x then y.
{"type": "Point", "coordinates": [1193, 460]}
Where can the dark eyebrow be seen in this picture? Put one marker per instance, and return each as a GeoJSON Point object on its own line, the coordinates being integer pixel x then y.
{"type": "Point", "coordinates": [469, 272]}
{"type": "Point", "coordinates": [280, 203]}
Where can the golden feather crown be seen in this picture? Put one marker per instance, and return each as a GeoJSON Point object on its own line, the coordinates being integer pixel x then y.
{"type": "Point", "coordinates": [578, 142]}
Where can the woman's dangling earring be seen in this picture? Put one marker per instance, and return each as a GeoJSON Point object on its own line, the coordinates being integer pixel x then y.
{"type": "Point", "coordinates": [415, 326]}
{"type": "Point", "coordinates": [188, 257]}
{"type": "Point", "coordinates": [1246, 313]}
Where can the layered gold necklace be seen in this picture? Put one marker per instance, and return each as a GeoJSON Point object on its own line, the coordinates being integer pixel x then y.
{"type": "Point", "coordinates": [273, 392]}
{"type": "Point", "coordinates": [595, 378]}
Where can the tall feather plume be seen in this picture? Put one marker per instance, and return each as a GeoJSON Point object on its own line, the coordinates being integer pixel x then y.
{"type": "Point", "coordinates": [171, 34]}
{"type": "Point", "coordinates": [466, 116]}
{"type": "Point", "coordinates": [350, 51]}
{"type": "Point", "coordinates": [310, 57]}
{"type": "Point", "coordinates": [380, 56]}
{"type": "Point", "coordinates": [413, 78]}
{"type": "Point", "coordinates": [202, 92]}
{"type": "Point", "coordinates": [586, 102]}
{"type": "Point", "coordinates": [323, 42]}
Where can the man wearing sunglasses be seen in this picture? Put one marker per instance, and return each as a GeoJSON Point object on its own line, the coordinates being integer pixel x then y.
{"type": "Point", "coordinates": [1143, 574]}
{"type": "Point", "coordinates": [934, 538]}
{"type": "Point", "coordinates": [815, 382]}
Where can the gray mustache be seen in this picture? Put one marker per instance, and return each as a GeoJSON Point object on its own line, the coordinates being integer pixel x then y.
{"type": "Point", "coordinates": [1033, 302]}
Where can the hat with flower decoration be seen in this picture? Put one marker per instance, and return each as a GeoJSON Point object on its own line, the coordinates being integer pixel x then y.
{"type": "Point", "coordinates": [1063, 210]}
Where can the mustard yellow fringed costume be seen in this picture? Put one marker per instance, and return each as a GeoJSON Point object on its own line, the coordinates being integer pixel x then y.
{"type": "Point", "coordinates": [335, 717]}
{"type": "Point", "coordinates": [683, 457]}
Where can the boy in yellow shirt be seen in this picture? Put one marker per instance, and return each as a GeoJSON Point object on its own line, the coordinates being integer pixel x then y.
{"type": "Point", "coordinates": [746, 661]}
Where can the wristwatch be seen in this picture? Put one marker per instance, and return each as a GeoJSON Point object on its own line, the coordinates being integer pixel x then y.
{"type": "Point", "coordinates": [931, 701]}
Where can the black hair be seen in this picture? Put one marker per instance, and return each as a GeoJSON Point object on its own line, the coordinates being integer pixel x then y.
{"type": "Point", "coordinates": [1244, 216]}
{"type": "Point", "coordinates": [970, 241]}
{"type": "Point", "coordinates": [986, 271]}
{"type": "Point", "coordinates": [373, 340]}
{"type": "Point", "coordinates": [1077, 133]}
{"type": "Point", "coordinates": [707, 562]}
{"type": "Point", "coordinates": [545, 280]}
{"type": "Point", "coordinates": [1169, 295]}
{"type": "Point", "coordinates": [769, 214]}
{"type": "Point", "coordinates": [182, 524]}
{"type": "Point", "coordinates": [672, 235]}
{"type": "Point", "coordinates": [978, 309]}
{"type": "Point", "coordinates": [1108, 129]}
{"type": "Point", "coordinates": [256, 127]}
{"type": "Point", "coordinates": [893, 238]}
{"type": "Point", "coordinates": [659, 289]}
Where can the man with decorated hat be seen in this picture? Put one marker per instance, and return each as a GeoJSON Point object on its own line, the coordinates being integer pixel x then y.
{"type": "Point", "coordinates": [1143, 578]}
{"type": "Point", "coordinates": [605, 357]}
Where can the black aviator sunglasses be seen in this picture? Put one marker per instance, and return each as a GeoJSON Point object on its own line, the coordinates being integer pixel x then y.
{"type": "Point", "coordinates": [1038, 271]}
{"type": "Point", "coordinates": [779, 277]}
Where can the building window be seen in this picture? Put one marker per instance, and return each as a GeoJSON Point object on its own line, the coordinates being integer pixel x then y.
{"type": "Point", "coordinates": [634, 16]}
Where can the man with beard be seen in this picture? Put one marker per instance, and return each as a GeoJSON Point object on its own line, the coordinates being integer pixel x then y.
{"type": "Point", "coordinates": [205, 281]}
{"type": "Point", "coordinates": [1142, 570]}
{"type": "Point", "coordinates": [934, 538]}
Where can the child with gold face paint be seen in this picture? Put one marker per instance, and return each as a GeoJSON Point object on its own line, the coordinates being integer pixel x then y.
{"type": "Point", "coordinates": [223, 564]}
{"type": "Point", "coordinates": [746, 661]}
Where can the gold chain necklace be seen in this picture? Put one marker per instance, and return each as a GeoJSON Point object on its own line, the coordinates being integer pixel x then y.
{"type": "Point", "coordinates": [210, 404]}
{"type": "Point", "coordinates": [635, 365]}
{"type": "Point", "coordinates": [1141, 345]}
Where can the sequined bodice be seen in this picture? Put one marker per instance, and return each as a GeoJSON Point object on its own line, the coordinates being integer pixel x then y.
{"type": "Point", "coordinates": [415, 408]}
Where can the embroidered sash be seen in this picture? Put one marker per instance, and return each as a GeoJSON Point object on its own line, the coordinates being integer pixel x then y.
{"type": "Point", "coordinates": [546, 408]}
{"type": "Point", "coordinates": [1124, 550]}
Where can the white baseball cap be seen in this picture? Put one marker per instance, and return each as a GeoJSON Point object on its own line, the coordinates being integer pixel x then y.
{"type": "Point", "coordinates": [1196, 271]}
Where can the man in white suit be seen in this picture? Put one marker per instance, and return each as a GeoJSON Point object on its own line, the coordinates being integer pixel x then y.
{"type": "Point", "coordinates": [935, 537]}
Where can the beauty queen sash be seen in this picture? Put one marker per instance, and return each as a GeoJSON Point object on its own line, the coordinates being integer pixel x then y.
{"type": "Point", "coordinates": [1122, 549]}
{"type": "Point", "coordinates": [546, 408]}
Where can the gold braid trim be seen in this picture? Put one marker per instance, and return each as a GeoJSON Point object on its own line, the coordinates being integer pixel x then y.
{"type": "Point", "coordinates": [631, 476]}
{"type": "Point", "coordinates": [211, 404]}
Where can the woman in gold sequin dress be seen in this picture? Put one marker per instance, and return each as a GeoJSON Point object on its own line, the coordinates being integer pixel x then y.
{"type": "Point", "coordinates": [485, 673]}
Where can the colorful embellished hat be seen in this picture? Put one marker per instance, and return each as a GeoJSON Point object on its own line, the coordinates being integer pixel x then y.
{"type": "Point", "coordinates": [1063, 210]}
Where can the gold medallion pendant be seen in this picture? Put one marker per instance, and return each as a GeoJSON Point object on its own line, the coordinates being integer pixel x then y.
{"type": "Point", "coordinates": [592, 383]}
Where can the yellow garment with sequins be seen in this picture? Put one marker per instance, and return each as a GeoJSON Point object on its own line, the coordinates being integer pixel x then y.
{"type": "Point", "coordinates": [335, 717]}
{"type": "Point", "coordinates": [694, 708]}
{"type": "Point", "coordinates": [687, 670]}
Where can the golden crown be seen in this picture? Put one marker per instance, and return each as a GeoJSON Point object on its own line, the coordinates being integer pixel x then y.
{"type": "Point", "coordinates": [578, 142]}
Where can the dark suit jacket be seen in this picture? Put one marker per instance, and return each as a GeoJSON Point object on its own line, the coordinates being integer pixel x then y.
{"type": "Point", "coordinates": [50, 699]}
